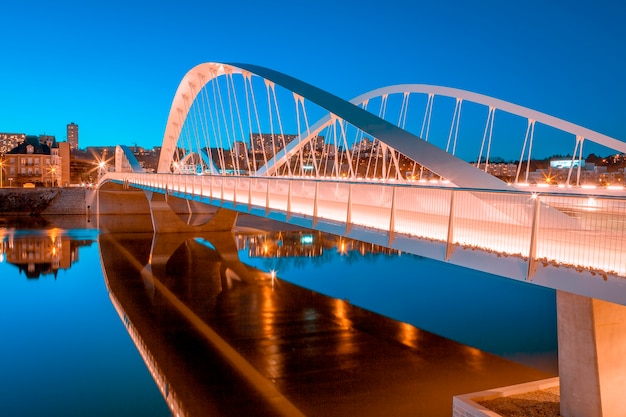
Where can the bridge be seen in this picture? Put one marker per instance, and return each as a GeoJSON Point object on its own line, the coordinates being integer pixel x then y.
{"type": "Point", "coordinates": [238, 138]}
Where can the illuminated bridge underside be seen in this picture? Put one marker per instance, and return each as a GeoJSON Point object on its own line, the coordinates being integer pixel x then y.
{"type": "Point", "coordinates": [572, 243]}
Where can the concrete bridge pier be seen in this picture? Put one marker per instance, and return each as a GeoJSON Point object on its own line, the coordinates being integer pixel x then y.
{"type": "Point", "coordinates": [166, 244]}
{"type": "Point", "coordinates": [165, 220]}
{"type": "Point", "coordinates": [592, 356]}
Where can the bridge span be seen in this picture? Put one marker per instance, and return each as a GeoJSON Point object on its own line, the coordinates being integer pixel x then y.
{"type": "Point", "coordinates": [395, 179]}
{"type": "Point", "coordinates": [567, 242]}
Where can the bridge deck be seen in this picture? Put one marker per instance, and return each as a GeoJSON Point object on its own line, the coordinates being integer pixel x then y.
{"type": "Point", "coordinates": [575, 243]}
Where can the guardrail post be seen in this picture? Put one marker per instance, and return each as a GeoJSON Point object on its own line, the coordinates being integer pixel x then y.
{"type": "Point", "coordinates": [315, 204]}
{"type": "Point", "coordinates": [289, 200]}
{"type": "Point", "coordinates": [222, 191]}
{"type": "Point", "coordinates": [249, 194]}
{"type": "Point", "coordinates": [449, 246]}
{"type": "Point", "coordinates": [267, 197]}
{"type": "Point", "coordinates": [534, 232]}
{"type": "Point", "coordinates": [349, 210]}
{"type": "Point", "coordinates": [392, 217]}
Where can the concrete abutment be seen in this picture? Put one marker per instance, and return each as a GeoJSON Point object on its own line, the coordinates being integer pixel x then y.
{"type": "Point", "coordinates": [592, 356]}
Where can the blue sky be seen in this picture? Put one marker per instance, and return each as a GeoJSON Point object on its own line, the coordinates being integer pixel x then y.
{"type": "Point", "coordinates": [113, 67]}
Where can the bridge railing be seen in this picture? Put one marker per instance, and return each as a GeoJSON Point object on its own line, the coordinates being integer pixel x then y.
{"type": "Point", "coordinates": [560, 229]}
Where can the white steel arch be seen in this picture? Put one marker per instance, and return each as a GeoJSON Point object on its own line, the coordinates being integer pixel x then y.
{"type": "Point", "coordinates": [189, 87]}
{"type": "Point", "coordinates": [437, 160]}
{"type": "Point", "coordinates": [568, 127]}
{"type": "Point", "coordinates": [448, 166]}
{"type": "Point", "coordinates": [488, 101]}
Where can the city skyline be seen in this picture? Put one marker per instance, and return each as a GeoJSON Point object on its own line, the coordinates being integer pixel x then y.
{"type": "Point", "coordinates": [113, 69]}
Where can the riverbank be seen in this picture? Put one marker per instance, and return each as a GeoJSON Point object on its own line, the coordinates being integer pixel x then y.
{"type": "Point", "coordinates": [45, 201]}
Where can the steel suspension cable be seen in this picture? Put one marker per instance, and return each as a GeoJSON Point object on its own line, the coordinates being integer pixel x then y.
{"type": "Point", "coordinates": [271, 117]}
{"type": "Point", "coordinates": [326, 152]}
{"type": "Point", "coordinates": [580, 158]}
{"type": "Point", "coordinates": [336, 167]}
{"type": "Point", "coordinates": [219, 143]}
{"type": "Point", "coordinates": [308, 133]}
{"type": "Point", "coordinates": [358, 141]}
{"type": "Point", "coordinates": [296, 100]}
{"type": "Point", "coordinates": [458, 123]}
{"type": "Point", "coordinates": [238, 113]}
{"type": "Point", "coordinates": [187, 136]}
{"type": "Point", "coordinates": [252, 148]}
{"type": "Point", "coordinates": [404, 108]}
{"type": "Point", "coordinates": [204, 124]}
{"type": "Point", "coordinates": [578, 147]}
{"type": "Point", "coordinates": [427, 117]}
{"type": "Point", "coordinates": [347, 148]}
{"type": "Point", "coordinates": [425, 127]}
{"type": "Point", "coordinates": [211, 122]}
{"type": "Point", "coordinates": [493, 117]}
{"type": "Point", "coordinates": [258, 122]}
{"type": "Point", "coordinates": [372, 147]}
{"type": "Point", "coordinates": [485, 133]}
{"type": "Point", "coordinates": [280, 127]}
{"type": "Point", "coordinates": [530, 149]}
{"type": "Point", "coordinates": [454, 124]}
{"type": "Point", "coordinates": [521, 157]}
{"type": "Point", "coordinates": [195, 124]}
{"type": "Point", "coordinates": [224, 119]}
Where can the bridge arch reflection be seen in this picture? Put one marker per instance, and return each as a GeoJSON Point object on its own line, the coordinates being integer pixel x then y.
{"type": "Point", "coordinates": [260, 346]}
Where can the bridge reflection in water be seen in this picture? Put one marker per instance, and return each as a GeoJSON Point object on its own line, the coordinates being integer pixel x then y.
{"type": "Point", "coordinates": [224, 339]}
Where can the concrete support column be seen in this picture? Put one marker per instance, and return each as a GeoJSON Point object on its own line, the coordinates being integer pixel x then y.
{"type": "Point", "coordinates": [592, 356]}
{"type": "Point", "coordinates": [165, 220]}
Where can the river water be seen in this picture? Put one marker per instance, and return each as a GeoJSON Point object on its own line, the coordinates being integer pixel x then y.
{"type": "Point", "coordinates": [97, 323]}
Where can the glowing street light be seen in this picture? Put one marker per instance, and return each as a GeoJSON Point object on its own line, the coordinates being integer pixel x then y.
{"type": "Point", "coordinates": [101, 168]}
{"type": "Point", "coordinates": [53, 172]}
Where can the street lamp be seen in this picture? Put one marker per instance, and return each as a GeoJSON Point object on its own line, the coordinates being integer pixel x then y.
{"type": "Point", "coordinates": [101, 168]}
{"type": "Point", "coordinates": [1, 169]}
{"type": "Point", "coordinates": [53, 171]}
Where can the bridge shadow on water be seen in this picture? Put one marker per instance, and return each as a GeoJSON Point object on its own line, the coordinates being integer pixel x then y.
{"type": "Point", "coordinates": [222, 338]}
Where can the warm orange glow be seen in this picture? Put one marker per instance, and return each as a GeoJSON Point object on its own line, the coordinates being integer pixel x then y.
{"type": "Point", "coordinates": [54, 233]}
{"type": "Point", "coordinates": [341, 313]}
{"type": "Point", "coordinates": [475, 357]}
{"type": "Point", "coordinates": [408, 335]}
{"type": "Point", "coordinates": [342, 247]}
